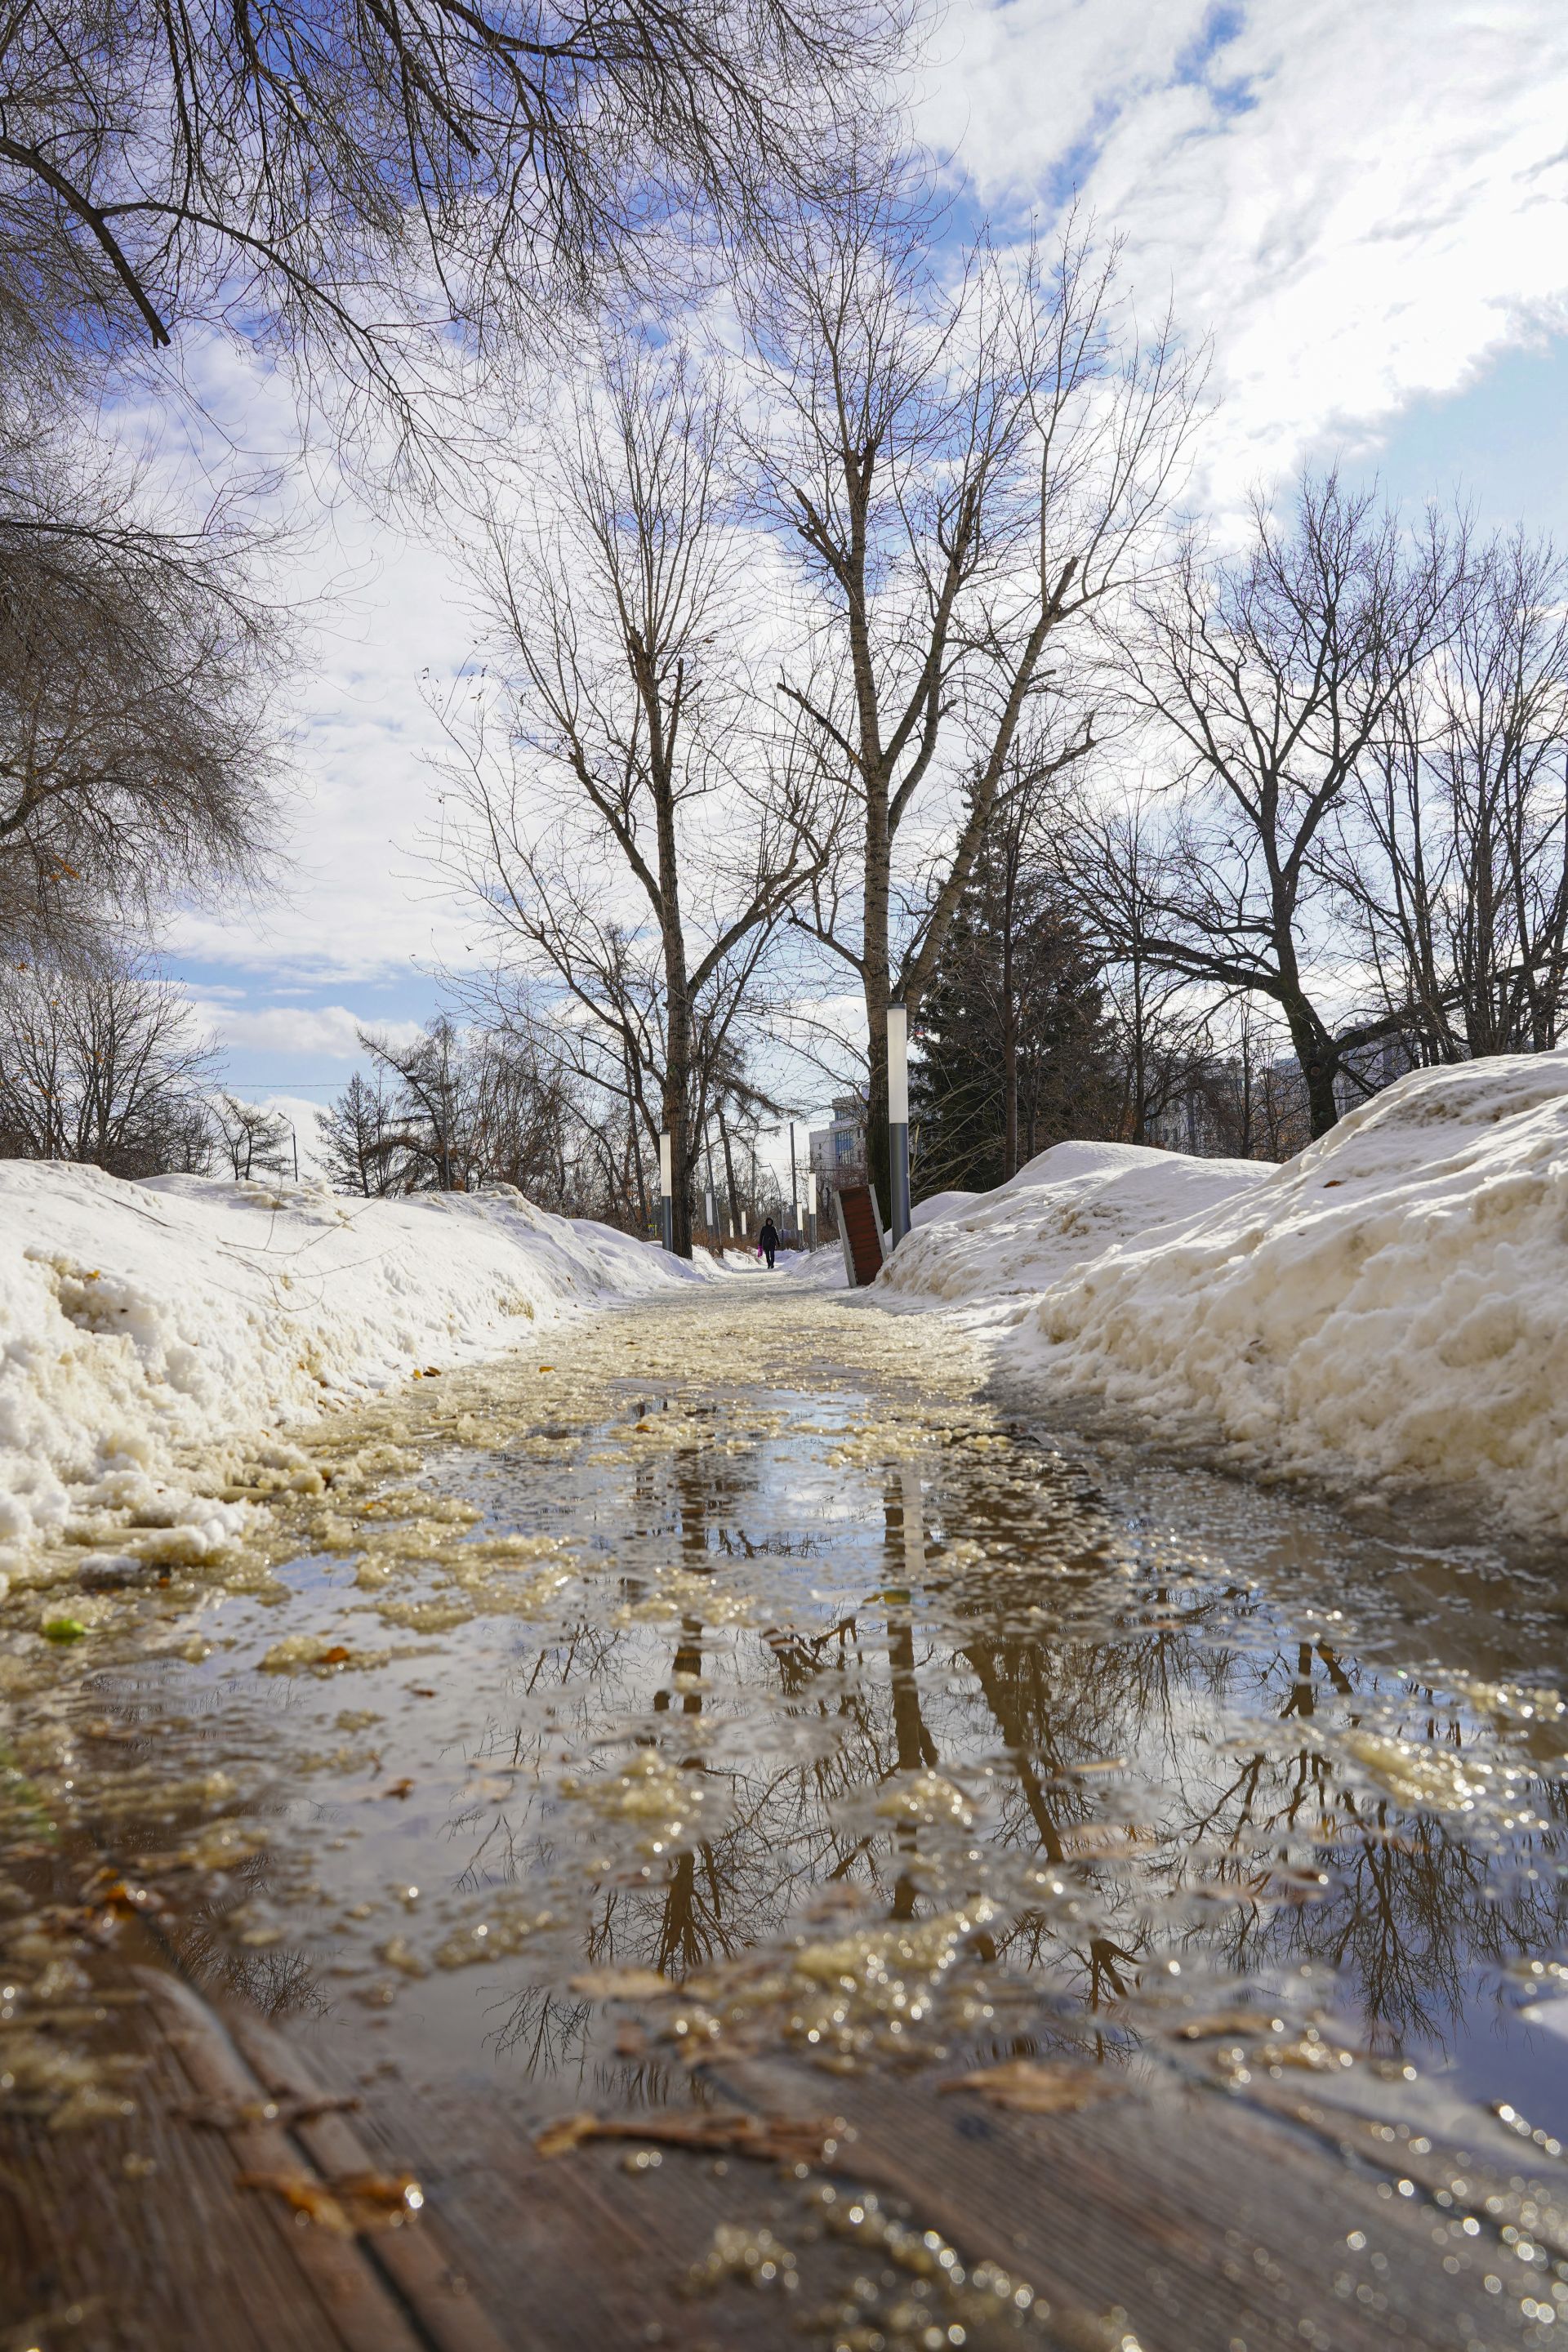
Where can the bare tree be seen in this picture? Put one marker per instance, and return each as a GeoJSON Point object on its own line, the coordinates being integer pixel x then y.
{"type": "Point", "coordinates": [464, 1109]}
{"type": "Point", "coordinates": [635, 834]}
{"type": "Point", "coordinates": [1118, 877]}
{"type": "Point", "coordinates": [431, 1098]}
{"type": "Point", "coordinates": [963, 474]}
{"type": "Point", "coordinates": [138, 739]}
{"type": "Point", "coordinates": [1452, 853]}
{"type": "Point", "coordinates": [100, 1061]}
{"type": "Point", "coordinates": [358, 1139]}
{"type": "Point", "coordinates": [353, 177]}
{"type": "Point", "coordinates": [257, 1141]}
{"type": "Point", "coordinates": [1266, 680]}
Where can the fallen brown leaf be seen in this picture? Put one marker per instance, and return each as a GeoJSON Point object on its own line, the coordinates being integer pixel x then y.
{"type": "Point", "coordinates": [565, 2133]}
{"type": "Point", "coordinates": [123, 1894]}
{"type": "Point", "coordinates": [218, 2115]}
{"type": "Point", "coordinates": [1033, 2088]}
{"type": "Point", "coordinates": [770, 2139]}
{"type": "Point", "coordinates": [304, 2195]}
{"type": "Point", "coordinates": [359, 2201]}
{"type": "Point", "coordinates": [620, 1984]}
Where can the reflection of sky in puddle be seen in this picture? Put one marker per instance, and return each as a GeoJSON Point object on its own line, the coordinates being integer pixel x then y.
{"type": "Point", "coordinates": [874, 1665]}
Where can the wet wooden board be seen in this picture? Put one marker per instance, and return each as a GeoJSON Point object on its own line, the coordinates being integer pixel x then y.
{"type": "Point", "coordinates": [127, 2236]}
{"type": "Point", "coordinates": [1194, 2223]}
{"type": "Point", "coordinates": [93, 2256]}
{"type": "Point", "coordinates": [1187, 2219]}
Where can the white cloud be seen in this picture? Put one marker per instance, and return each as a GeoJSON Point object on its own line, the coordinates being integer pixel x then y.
{"type": "Point", "coordinates": [1361, 204]}
{"type": "Point", "coordinates": [327, 1029]}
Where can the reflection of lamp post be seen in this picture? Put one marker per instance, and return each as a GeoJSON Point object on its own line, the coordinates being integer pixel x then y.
{"type": "Point", "coordinates": [898, 1119]}
{"type": "Point", "coordinates": [666, 1193]}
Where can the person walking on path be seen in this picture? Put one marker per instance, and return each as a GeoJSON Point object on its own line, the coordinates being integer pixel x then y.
{"type": "Point", "coordinates": [768, 1242]}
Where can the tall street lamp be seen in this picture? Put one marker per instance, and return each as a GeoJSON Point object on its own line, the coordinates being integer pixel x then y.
{"type": "Point", "coordinates": [666, 1193]}
{"type": "Point", "coordinates": [898, 1119]}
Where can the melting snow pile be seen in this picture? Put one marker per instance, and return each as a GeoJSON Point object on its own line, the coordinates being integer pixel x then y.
{"type": "Point", "coordinates": [1386, 1309]}
{"type": "Point", "coordinates": [1389, 1306]}
{"type": "Point", "coordinates": [140, 1324]}
{"type": "Point", "coordinates": [1071, 1204]}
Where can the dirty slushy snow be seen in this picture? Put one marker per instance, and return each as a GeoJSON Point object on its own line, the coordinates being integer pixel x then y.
{"type": "Point", "coordinates": [1387, 1309]}
{"type": "Point", "coordinates": [146, 1328]}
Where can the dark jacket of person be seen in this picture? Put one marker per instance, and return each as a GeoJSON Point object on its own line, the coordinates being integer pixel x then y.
{"type": "Point", "coordinates": [768, 1239]}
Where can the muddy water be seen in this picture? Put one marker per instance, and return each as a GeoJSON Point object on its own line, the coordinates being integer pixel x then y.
{"type": "Point", "coordinates": [745, 1667]}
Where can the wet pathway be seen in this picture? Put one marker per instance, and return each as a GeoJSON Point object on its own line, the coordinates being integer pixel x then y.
{"type": "Point", "coordinates": [733, 1708]}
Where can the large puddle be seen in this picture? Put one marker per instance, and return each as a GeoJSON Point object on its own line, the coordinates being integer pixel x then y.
{"type": "Point", "coordinates": [735, 1675]}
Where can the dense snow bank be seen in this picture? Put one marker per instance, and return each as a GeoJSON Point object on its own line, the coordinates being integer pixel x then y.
{"type": "Point", "coordinates": [142, 1323]}
{"type": "Point", "coordinates": [1068, 1204]}
{"type": "Point", "coordinates": [1388, 1307]}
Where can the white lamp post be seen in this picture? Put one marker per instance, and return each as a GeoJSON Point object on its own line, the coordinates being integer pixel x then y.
{"type": "Point", "coordinates": [665, 1192]}
{"type": "Point", "coordinates": [898, 1119]}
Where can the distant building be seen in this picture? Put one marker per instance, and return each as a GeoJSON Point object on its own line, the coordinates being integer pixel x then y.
{"type": "Point", "coordinates": [1369, 1068]}
{"type": "Point", "coordinates": [838, 1153]}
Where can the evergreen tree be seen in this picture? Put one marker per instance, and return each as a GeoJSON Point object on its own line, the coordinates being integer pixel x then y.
{"type": "Point", "coordinates": [1015, 1048]}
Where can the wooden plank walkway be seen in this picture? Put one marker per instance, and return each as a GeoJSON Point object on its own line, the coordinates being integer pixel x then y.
{"type": "Point", "coordinates": [1183, 2220]}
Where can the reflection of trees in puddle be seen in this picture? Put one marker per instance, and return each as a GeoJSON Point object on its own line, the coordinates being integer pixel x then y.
{"type": "Point", "coordinates": [1017, 1675]}
{"type": "Point", "coordinates": [276, 1980]}
{"type": "Point", "coordinates": [1408, 1906]}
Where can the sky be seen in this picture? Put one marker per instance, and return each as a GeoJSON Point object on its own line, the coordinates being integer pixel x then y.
{"type": "Point", "coordinates": [1364, 210]}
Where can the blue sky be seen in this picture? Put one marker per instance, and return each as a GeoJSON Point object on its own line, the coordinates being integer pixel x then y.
{"type": "Point", "coordinates": [1365, 210]}
{"type": "Point", "coordinates": [1502, 444]}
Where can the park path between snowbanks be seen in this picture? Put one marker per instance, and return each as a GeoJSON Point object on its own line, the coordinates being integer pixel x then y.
{"type": "Point", "coordinates": [147, 1330]}
{"type": "Point", "coordinates": [1387, 1311]}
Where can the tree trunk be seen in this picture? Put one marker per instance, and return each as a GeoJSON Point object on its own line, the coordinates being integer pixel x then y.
{"type": "Point", "coordinates": [675, 1108]}
{"type": "Point", "coordinates": [633, 1149]}
{"type": "Point", "coordinates": [676, 1099]}
{"type": "Point", "coordinates": [1319, 1064]}
{"type": "Point", "coordinates": [878, 986]}
{"type": "Point", "coordinates": [1009, 1036]}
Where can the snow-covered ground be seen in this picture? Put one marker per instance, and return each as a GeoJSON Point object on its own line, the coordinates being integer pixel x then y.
{"type": "Point", "coordinates": [1388, 1309]}
{"type": "Point", "coordinates": [1067, 1206]}
{"type": "Point", "coordinates": [144, 1327]}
